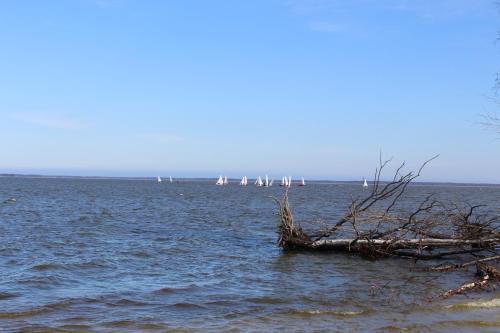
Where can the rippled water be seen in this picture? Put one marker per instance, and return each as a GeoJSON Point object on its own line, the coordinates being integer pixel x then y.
{"type": "Point", "coordinates": [84, 255]}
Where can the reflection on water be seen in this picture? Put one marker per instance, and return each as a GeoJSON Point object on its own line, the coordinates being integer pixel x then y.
{"type": "Point", "coordinates": [81, 255]}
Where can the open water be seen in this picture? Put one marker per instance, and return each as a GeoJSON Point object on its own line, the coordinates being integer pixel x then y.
{"type": "Point", "coordinates": [115, 255]}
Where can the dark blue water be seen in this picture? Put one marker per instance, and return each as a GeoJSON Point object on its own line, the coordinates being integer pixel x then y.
{"type": "Point", "coordinates": [97, 255]}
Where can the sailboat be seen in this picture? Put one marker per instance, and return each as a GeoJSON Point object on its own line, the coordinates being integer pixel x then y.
{"type": "Point", "coordinates": [225, 180]}
{"type": "Point", "coordinates": [171, 181]}
{"type": "Point", "coordinates": [271, 182]}
{"type": "Point", "coordinates": [244, 181]}
{"type": "Point", "coordinates": [283, 181]}
{"type": "Point", "coordinates": [302, 182]}
{"type": "Point", "coordinates": [289, 181]}
{"type": "Point", "coordinates": [259, 181]}
{"type": "Point", "coordinates": [365, 183]}
{"type": "Point", "coordinates": [220, 181]}
{"type": "Point", "coordinates": [158, 179]}
{"type": "Point", "coordinates": [266, 182]}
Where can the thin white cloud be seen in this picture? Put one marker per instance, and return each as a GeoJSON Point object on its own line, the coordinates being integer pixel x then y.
{"type": "Point", "coordinates": [161, 137]}
{"type": "Point", "coordinates": [324, 26]}
{"type": "Point", "coordinates": [108, 3]}
{"type": "Point", "coordinates": [49, 120]}
{"type": "Point", "coordinates": [424, 9]}
{"type": "Point", "coordinates": [442, 9]}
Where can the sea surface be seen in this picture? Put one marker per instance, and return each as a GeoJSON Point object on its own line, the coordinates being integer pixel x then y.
{"type": "Point", "coordinates": [118, 255]}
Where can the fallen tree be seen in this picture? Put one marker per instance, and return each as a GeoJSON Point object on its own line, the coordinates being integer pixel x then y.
{"type": "Point", "coordinates": [374, 228]}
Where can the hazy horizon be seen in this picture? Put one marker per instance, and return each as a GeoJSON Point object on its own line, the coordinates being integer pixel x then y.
{"type": "Point", "coordinates": [209, 177]}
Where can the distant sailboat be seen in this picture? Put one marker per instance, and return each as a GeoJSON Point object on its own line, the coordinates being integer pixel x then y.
{"type": "Point", "coordinates": [171, 179]}
{"type": "Point", "coordinates": [244, 181]}
{"type": "Point", "coordinates": [271, 182]}
{"type": "Point", "coordinates": [283, 181]}
{"type": "Point", "coordinates": [289, 181]}
{"type": "Point", "coordinates": [220, 181]}
{"type": "Point", "coordinates": [225, 180]}
{"type": "Point", "coordinates": [365, 183]}
{"type": "Point", "coordinates": [302, 182]}
{"type": "Point", "coordinates": [266, 182]}
{"type": "Point", "coordinates": [259, 181]}
{"type": "Point", "coordinates": [158, 179]}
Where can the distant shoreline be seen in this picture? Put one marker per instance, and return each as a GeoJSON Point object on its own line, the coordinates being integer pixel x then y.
{"type": "Point", "coordinates": [212, 179]}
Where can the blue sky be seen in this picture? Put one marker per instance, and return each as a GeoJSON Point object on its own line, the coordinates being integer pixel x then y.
{"type": "Point", "coordinates": [202, 88]}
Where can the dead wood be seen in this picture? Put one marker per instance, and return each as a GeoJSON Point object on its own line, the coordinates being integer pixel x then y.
{"type": "Point", "coordinates": [433, 230]}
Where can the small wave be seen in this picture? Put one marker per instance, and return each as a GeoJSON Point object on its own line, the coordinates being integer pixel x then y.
{"type": "Point", "coordinates": [128, 302]}
{"type": "Point", "coordinates": [106, 212]}
{"type": "Point", "coordinates": [393, 328]}
{"type": "Point", "coordinates": [492, 303]}
{"type": "Point", "coordinates": [120, 323]}
{"type": "Point", "coordinates": [220, 302]}
{"type": "Point", "coordinates": [5, 295]}
{"type": "Point", "coordinates": [90, 264]}
{"type": "Point", "coordinates": [313, 313]}
{"type": "Point", "coordinates": [268, 300]}
{"type": "Point", "coordinates": [76, 327]}
{"type": "Point", "coordinates": [186, 305]}
{"type": "Point", "coordinates": [45, 267]}
{"type": "Point", "coordinates": [37, 310]}
{"type": "Point", "coordinates": [166, 290]}
{"type": "Point", "coordinates": [42, 281]}
{"type": "Point", "coordinates": [152, 326]}
{"type": "Point", "coordinates": [141, 254]}
{"type": "Point", "coordinates": [169, 290]}
{"type": "Point", "coordinates": [81, 219]}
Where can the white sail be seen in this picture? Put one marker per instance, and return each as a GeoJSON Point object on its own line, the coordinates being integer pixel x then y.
{"type": "Point", "coordinates": [158, 179]}
{"type": "Point", "coordinates": [285, 181]}
{"type": "Point", "coordinates": [266, 182]}
{"type": "Point", "coordinates": [302, 182]}
{"type": "Point", "coordinates": [271, 182]}
{"type": "Point", "coordinates": [171, 179]}
{"type": "Point", "coordinates": [225, 180]}
{"type": "Point", "coordinates": [220, 181]}
{"type": "Point", "coordinates": [259, 181]}
{"type": "Point", "coordinates": [289, 181]}
{"type": "Point", "coordinates": [243, 181]}
{"type": "Point", "coordinates": [365, 183]}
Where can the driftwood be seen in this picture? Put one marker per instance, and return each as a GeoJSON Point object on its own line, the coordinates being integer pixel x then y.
{"type": "Point", "coordinates": [434, 230]}
{"type": "Point", "coordinates": [487, 273]}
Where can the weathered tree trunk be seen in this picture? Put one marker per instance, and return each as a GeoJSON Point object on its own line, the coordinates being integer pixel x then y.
{"type": "Point", "coordinates": [354, 245]}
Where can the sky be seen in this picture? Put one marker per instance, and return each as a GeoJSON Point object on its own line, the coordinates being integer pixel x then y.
{"type": "Point", "coordinates": [313, 88]}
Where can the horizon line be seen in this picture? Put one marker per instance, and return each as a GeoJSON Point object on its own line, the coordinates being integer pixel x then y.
{"type": "Point", "coordinates": [207, 179]}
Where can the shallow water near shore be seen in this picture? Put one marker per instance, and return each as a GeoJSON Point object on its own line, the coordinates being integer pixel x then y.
{"type": "Point", "coordinates": [117, 255]}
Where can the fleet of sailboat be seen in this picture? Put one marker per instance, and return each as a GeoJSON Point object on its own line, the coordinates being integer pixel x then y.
{"type": "Point", "coordinates": [286, 181]}
{"type": "Point", "coordinates": [159, 180]}
{"type": "Point", "coordinates": [259, 182]}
